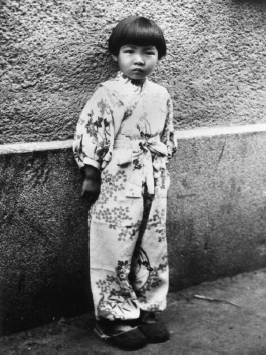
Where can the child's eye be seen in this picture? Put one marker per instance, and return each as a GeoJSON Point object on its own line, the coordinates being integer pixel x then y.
{"type": "Point", "coordinates": [129, 51]}
{"type": "Point", "coordinates": [150, 53]}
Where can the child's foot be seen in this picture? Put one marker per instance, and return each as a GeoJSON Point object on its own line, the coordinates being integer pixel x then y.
{"type": "Point", "coordinates": [154, 331]}
{"type": "Point", "coordinates": [121, 334]}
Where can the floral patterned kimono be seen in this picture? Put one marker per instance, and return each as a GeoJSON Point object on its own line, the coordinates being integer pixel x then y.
{"type": "Point", "coordinates": [127, 132]}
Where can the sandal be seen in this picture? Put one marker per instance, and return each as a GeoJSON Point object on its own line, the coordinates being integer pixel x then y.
{"type": "Point", "coordinates": [120, 333]}
{"type": "Point", "coordinates": [154, 331]}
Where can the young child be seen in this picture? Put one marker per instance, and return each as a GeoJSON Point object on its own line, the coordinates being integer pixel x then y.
{"type": "Point", "coordinates": [123, 142]}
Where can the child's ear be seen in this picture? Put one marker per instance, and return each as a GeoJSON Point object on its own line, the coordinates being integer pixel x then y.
{"type": "Point", "coordinates": [114, 57]}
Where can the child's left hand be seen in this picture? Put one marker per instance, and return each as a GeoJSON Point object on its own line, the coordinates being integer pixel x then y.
{"type": "Point", "coordinates": [92, 183]}
{"type": "Point", "coordinates": [91, 189]}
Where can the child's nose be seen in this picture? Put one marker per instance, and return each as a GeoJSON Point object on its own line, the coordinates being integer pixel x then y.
{"type": "Point", "coordinates": [139, 60]}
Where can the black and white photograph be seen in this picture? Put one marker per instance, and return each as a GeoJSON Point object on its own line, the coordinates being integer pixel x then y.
{"type": "Point", "coordinates": [133, 177]}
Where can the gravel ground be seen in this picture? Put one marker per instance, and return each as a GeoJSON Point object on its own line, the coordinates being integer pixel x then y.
{"type": "Point", "coordinates": [233, 323]}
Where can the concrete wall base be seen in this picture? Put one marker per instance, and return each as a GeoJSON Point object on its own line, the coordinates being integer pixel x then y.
{"type": "Point", "coordinates": [216, 220]}
{"type": "Point", "coordinates": [217, 204]}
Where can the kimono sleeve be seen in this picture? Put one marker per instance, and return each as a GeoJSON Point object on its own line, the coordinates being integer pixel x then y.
{"type": "Point", "coordinates": [168, 135]}
{"type": "Point", "coordinates": [93, 131]}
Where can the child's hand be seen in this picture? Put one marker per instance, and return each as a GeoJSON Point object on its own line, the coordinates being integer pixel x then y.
{"type": "Point", "coordinates": [92, 183]}
{"type": "Point", "coordinates": [91, 189]}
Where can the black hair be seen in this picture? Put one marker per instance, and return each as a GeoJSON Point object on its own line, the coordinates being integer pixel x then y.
{"type": "Point", "coordinates": [138, 31]}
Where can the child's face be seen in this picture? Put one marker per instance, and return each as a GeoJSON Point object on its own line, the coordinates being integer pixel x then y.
{"type": "Point", "coordinates": [137, 62]}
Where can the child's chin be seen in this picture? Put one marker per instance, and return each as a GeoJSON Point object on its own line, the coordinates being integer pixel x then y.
{"type": "Point", "coordinates": [137, 77]}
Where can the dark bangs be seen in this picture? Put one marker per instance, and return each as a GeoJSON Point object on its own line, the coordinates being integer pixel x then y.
{"type": "Point", "coordinates": [138, 31]}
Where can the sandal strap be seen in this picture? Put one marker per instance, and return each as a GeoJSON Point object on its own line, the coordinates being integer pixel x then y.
{"type": "Point", "coordinates": [149, 317]}
{"type": "Point", "coordinates": [101, 332]}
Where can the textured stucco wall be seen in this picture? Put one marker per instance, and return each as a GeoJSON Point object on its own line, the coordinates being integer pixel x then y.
{"type": "Point", "coordinates": [43, 239]}
{"type": "Point", "coordinates": [53, 53]}
{"type": "Point", "coordinates": [216, 224]}
{"type": "Point", "coordinates": [216, 207]}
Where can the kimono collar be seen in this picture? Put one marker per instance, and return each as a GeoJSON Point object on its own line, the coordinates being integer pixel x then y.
{"type": "Point", "coordinates": [123, 87]}
{"type": "Point", "coordinates": [128, 81]}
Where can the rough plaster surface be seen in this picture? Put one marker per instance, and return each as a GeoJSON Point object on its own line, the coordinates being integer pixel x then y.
{"type": "Point", "coordinates": [53, 53]}
{"type": "Point", "coordinates": [216, 224]}
{"type": "Point", "coordinates": [43, 248]}
{"type": "Point", "coordinates": [217, 206]}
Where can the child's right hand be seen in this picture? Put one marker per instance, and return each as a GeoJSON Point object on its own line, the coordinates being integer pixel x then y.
{"type": "Point", "coordinates": [92, 183]}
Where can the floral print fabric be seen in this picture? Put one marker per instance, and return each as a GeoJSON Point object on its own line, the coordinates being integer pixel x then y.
{"type": "Point", "coordinates": [127, 132]}
{"type": "Point", "coordinates": [119, 106]}
{"type": "Point", "coordinates": [128, 250]}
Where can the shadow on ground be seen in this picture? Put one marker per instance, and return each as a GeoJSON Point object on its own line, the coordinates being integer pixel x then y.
{"type": "Point", "coordinates": [233, 325]}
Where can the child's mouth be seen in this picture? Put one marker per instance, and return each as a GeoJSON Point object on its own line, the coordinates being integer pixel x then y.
{"type": "Point", "coordinates": [137, 70]}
